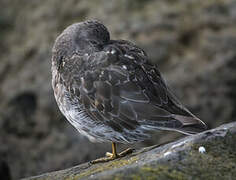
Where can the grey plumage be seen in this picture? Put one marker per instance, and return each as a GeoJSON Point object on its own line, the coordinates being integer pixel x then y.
{"type": "Point", "coordinates": [109, 91]}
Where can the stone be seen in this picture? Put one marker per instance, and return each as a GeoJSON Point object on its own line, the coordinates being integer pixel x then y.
{"type": "Point", "coordinates": [177, 160]}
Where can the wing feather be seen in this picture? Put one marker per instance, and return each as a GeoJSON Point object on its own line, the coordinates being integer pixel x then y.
{"type": "Point", "coordinates": [132, 97]}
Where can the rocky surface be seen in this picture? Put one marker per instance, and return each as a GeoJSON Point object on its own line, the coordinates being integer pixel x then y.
{"type": "Point", "coordinates": [182, 159]}
{"type": "Point", "coordinates": [193, 42]}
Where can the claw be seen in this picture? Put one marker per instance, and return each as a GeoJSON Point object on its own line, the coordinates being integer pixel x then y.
{"type": "Point", "coordinates": [125, 152]}
{"type": "Point", "coordinates": [113, 155]}
{"type": "Point", "coordinates": [108, 154]}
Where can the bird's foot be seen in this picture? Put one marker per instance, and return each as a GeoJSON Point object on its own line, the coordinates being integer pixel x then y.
{"type": "Point", "coordinates": [121, 154]}
{"type": "Point", "coordinates": [126, 152]}
{"type": "Point", "coordinates": [103, 159]}
{"type": "Point", "coordinates": [110, 156]}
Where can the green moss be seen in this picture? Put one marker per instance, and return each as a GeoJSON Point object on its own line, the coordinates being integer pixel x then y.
{"type": "Point", "coordinates": [161, 172]}
{"type": "Point", "coordinates": [71, 178]}
{"type": "Point", "coordinates": [106, 166]}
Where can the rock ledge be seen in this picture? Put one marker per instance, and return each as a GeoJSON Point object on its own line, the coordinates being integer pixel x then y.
{"type": "Point", "coordinates": [177, 160]}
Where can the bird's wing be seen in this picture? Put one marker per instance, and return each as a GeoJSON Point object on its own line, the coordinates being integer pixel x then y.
{"type": "Point", "coordinates": [179, 117]}
{"type": "Point", "coordinates": [128, 93]}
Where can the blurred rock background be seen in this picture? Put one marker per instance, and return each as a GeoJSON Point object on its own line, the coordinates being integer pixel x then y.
{"type": "Point", "coordinates": [193, 42]}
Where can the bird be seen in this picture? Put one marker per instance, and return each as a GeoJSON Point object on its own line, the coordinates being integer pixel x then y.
{"type": "Point", "coordinates": [110, 92]}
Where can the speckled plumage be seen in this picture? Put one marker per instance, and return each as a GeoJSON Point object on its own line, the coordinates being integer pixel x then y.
{"type": "Point", "coordinates": [109, 91]}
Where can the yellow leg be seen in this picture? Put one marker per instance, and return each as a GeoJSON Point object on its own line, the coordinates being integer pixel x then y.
{"type": "Point", "coordinates": [114, 152]}
{"type": "Point", "coordinates": [113, 155]}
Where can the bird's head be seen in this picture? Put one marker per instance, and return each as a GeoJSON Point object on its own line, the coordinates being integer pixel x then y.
{"type": "Point", "coordinates": [84, 37]}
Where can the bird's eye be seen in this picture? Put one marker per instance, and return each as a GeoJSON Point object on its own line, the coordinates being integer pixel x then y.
{"type": "Point", "coordinates": [94, 42]}
{"type": "Point", "coordinates": [60, 62]}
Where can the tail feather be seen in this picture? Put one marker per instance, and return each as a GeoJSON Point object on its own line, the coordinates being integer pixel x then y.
{"type": "Point", "coordinates": [183, 124]}
{"type": "Point", "coordinates": [190, 125]}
